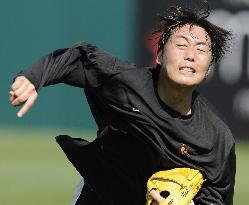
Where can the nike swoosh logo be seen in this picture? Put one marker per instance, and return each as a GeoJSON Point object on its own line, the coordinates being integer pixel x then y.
{"type": "Point", "coordinates": [135, 110]}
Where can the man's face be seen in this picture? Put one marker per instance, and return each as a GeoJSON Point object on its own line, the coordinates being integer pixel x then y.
{"type": "Point", "coordinates": [187, 56]}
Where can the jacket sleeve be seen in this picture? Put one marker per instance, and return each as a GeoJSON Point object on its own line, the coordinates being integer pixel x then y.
{"type": "Point", "coordinates": [221, 190]}
{"type": "Point", "coordinates": [81, 65]}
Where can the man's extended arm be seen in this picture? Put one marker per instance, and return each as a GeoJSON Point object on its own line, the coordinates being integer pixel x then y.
{"type": "Point", "coordinates": [81, 65]}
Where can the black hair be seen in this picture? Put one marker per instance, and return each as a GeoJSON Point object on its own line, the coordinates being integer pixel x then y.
{"type": "Point", "coordinates": [176, 17]}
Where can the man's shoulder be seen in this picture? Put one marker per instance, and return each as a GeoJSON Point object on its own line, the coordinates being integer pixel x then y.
{"type": "Point", "coordinates": [214, 116]}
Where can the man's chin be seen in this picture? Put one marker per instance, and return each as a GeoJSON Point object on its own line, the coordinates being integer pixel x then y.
{"type": "Point", "coordinates": [188, 83]}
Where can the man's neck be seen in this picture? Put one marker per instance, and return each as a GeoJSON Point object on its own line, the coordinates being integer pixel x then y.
{"type": "Point", "coordinates": [175, 96]}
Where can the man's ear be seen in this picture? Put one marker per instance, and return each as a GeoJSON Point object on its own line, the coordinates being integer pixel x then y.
{"type": "Point", "coordinates": [159, 58]}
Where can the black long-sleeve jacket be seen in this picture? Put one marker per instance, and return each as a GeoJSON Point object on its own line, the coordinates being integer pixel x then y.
{"type": "Point", "coordinates": [142, 135]}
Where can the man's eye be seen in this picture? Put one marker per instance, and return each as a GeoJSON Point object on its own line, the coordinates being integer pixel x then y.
{"type": "Point", "coordinates": [201, 50]}
{"type": "Point", "coordinates": [181, 45]}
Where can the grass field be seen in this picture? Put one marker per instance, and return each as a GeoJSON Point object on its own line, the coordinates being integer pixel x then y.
{"type": "Point", "coordinates": [34, 170]}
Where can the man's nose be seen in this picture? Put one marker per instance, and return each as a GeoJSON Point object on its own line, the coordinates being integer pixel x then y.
{"type": "Point", "coordinates": [189, 54]}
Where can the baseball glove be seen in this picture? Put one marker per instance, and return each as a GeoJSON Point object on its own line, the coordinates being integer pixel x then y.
{"type": "Point", "coordinates": [181, 183]}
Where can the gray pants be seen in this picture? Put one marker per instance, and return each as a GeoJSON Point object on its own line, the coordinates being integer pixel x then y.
{"type": "Point", "coordinates": [78, 191]}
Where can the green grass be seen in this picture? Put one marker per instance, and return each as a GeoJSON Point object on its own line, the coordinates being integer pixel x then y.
{"type": "Point", "coordinates": [35, 171]}
{"type": "Point", "coordinates": [33, 168]}
{"type": "Point", "coordinates": [242, 179]}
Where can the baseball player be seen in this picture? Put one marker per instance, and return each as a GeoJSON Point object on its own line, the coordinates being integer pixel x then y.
{"type": "Point", "coordinates": [149, 119]}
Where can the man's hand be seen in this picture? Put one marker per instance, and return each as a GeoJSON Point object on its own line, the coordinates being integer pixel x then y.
{"type": "Point", "coordinates": [157, 198]}
{"type": "Point", "coordinates": [22, 93]}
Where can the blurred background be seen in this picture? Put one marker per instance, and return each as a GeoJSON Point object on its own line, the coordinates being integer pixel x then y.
{"type": "Point", "coordinates": [33, 169]}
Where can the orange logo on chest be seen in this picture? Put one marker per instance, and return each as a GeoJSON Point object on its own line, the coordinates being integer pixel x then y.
{"type": "Point", "coordinates": [184, 150]}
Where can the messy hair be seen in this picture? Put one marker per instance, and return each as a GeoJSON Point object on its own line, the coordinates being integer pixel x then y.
{"type": "Point", "coordinates": [176, 17]}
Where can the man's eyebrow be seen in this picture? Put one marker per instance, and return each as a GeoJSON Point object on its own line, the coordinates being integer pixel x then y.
{"type": "Point", "coordinates": [188, 40]}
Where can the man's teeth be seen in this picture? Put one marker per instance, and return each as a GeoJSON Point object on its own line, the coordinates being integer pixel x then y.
{"type": "Point", "coordinates": [188, 69]}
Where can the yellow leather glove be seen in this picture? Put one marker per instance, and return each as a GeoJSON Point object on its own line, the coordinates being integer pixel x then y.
{"type": "Point", "coordinates": [181, 183]}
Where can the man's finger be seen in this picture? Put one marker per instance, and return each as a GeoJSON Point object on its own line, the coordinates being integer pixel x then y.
{"type": "Point", "coordinates": [18, 82]}
{"type": "Point", "coordinates": [11, 98]}
{"type": "Point", "coordinates": [18, 100]}
{"type": "Point", "coordinates": [154, 203]}
{"type": "Point", "coordinates": [27, 105]}
{"type": "Point", "coordinates": [156, 196]}
{"type": "Point", "coordinates": [22, 94]}
{"type": "Point", "coordinates": [22, 89]}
